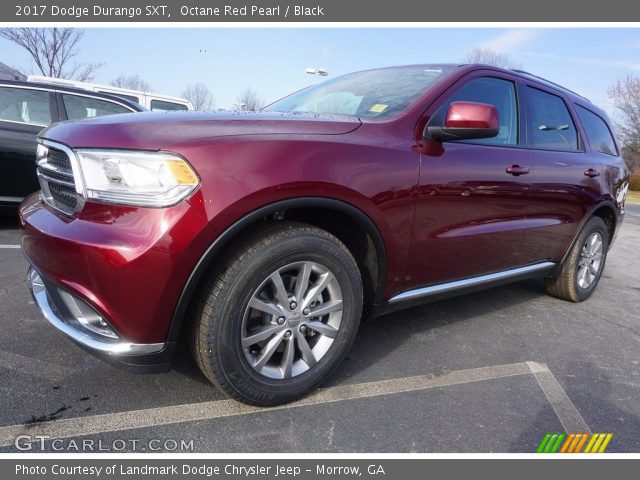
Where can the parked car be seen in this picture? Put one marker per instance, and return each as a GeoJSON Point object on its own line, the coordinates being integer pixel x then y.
{"type": "Point", "coordinates": [151, 101]}
{"type": "Point", "coordinates": [25, 109]}
{"type": "Point", "coordinates": [261, 238]}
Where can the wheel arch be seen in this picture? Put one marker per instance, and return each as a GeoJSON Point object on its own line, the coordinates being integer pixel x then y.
{"type": "Point", "coordinates": [607, 212]}
{"type": "Point", "coordinates": [327, 213]}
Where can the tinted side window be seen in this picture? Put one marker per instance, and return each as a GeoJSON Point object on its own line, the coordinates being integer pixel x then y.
{"type": "Point", "coordinates": [25, 106]}
{"type": "Point", "coordinates": [78, 107]}
{"type": "Point", "coordinates": [160, 105]}
{"type": "Point", "coordinates": [551, 123]}
{"type": "Point", "coordinates": [494, 91]}
{"type": "Point", "coordinates": [597, 130]}
{"type": "Point", "coordinates": [131, 98]}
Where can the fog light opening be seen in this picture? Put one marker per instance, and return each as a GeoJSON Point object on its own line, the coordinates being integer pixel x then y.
{"type": "Point", "coordinates": [86, 316]}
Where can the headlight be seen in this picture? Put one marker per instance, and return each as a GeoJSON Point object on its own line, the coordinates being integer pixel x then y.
{"type": "Point", "coordinates": [151, 179]}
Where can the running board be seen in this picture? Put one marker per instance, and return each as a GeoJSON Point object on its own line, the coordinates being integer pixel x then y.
{"type": "Point", "coordinates": [473, 283]}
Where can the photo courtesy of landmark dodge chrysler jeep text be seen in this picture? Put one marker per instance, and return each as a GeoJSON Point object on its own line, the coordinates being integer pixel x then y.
{"type": "Point", "coordinates": [261, 239]}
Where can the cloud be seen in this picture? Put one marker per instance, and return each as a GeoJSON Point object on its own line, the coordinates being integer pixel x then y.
{"type": "Point", "coordinates": [509, 40]}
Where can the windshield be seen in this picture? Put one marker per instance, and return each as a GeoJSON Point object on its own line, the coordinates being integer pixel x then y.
{"type": "Point", "coordinates": [370, 94]}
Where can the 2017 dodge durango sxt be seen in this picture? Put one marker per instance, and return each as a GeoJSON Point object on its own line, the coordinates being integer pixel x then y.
{"type": "Point", "coordinates": [261, 238]}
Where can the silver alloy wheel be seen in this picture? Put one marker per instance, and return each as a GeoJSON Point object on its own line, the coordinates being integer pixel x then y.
{"type": "Point", "coordinates": [292, 320]}
{"type": "Point", "coordinates": [590, 260]}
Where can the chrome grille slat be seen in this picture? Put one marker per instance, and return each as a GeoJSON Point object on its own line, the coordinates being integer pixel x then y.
{"type": "Point", "coordinates": [58, 178]}
{"type": "Point", "coordinates": [55, 174]}
{"type": "Point", "coordinates": [48, 167]}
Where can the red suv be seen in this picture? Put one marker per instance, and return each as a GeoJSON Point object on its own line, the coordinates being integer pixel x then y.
{"type": "Point", "coordinates": [261, 238]}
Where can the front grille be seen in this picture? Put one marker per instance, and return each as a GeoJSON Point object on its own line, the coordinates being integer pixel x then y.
{"type": "Point", "coordinates": [59, 159]}
{"type": "Point", "coordinates": [57, 182]}
{"type": "Point", "coordinates": [64, 197]}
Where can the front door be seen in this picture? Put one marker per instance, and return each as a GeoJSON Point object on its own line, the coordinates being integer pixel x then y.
{"type": "Point", "coordinates": [471, 206]}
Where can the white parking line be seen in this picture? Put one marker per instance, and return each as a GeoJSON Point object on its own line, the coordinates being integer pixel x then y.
{"type": "Point", "coordinates": [78, 426]}
{"type": "Point", "coordinates": [566, 411]}
{"type": "Point", "coordinates": [10, 246]}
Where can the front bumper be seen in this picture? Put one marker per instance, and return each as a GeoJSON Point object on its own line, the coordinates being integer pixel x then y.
{"type": "Point", "coordinates": [53, 307]}
{"type": "Point", "coordinates": [126, 266]}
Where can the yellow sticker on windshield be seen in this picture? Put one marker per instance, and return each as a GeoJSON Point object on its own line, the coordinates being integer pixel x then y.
{"type": "Point", "coordinates": [378, 108]}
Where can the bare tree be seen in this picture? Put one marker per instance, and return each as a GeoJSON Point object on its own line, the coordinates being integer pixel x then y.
{"type": "Point", "coordinates": [200, 96]}
{"type": "Point", "coordinates": [625, 96]}
{"type": "Point", "coordinates": [133, 82]}
{"type": "Point", "coordinates": [491, 57]}
{"type": "Point", "coordinates": [632, 159]}
{"type": "Point", "coordinates": [53, 50]}
{"type": "Point", "coordinates": [250, 100]}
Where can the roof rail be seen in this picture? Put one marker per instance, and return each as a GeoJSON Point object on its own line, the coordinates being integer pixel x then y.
{"type": "Point", "coordinates": [550, 82]}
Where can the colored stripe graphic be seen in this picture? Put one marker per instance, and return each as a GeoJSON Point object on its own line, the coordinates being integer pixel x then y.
{"type": "Point", "coordinates": [594, 437]}
{"type": "Point", "coordinates": [556, 445]}
{"type": "Point", "coordinates": [570, 439]}
{"type": "Point", "coordinates": [543, 443]}
{"type": "Point", "coordinates": [556, 442]}
{"type": "Point", "coordinates": [582, 442]}
{"type": "Point", "coordinates": [605, 443]}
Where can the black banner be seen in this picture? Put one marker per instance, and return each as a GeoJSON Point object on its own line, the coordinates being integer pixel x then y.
{"type": "Point", "coordinates": [317, 11]}
{"type": "Point", "coordinates": [307, 469]}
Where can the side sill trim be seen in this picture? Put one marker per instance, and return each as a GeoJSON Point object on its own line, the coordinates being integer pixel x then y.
{"type": "Point", "coordinates": [469, 282]}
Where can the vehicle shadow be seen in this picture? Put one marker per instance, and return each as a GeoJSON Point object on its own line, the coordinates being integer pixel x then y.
{"type": "Point", "coordinates": [379, 337]}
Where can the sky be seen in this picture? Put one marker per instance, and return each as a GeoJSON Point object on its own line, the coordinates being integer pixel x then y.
{"type": "Point", "coordinates": [272, 61]}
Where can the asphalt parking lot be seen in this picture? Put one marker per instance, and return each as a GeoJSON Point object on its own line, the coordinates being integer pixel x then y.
{"type": "Point", "coordinates": [488, 372]}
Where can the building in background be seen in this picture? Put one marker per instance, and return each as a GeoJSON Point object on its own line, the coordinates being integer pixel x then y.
{"type": "Point", "coordinates": [8, 73]}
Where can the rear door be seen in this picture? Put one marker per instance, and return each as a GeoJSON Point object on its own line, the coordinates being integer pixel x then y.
{"type": "Point", "coordinates": [24, 112]}
{"type": "Point", "coordinates": [565, 184]}
{"type": "Point", "coordinates": [470, 210]}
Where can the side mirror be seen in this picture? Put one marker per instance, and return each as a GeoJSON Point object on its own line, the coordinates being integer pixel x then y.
{"type": "Point", "coordinates": [466, 120]}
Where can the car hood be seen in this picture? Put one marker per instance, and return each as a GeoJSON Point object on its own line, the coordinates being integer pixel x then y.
{"type": "Point", "coordinates": [156, 130]}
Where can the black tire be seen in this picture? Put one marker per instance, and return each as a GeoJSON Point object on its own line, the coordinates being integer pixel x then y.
{"type": "Point", "coordinates": [566, 284]}
{"type": "Point", "coordinates": [218, 327]}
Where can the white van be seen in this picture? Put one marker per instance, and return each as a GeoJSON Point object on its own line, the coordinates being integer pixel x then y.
{"type": "Point", "coordinates": [152, 101]}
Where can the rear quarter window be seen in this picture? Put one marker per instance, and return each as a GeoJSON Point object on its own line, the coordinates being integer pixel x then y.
{"type": "Point", "coordinates": [598, 133]}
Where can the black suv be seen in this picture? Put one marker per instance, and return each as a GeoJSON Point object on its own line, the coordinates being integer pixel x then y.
{"type": "Point", "coordinates": [26, 108]}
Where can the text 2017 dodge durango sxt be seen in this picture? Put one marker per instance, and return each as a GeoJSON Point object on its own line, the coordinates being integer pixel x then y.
{"type": "Point", "coordinates": [261, 238]}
